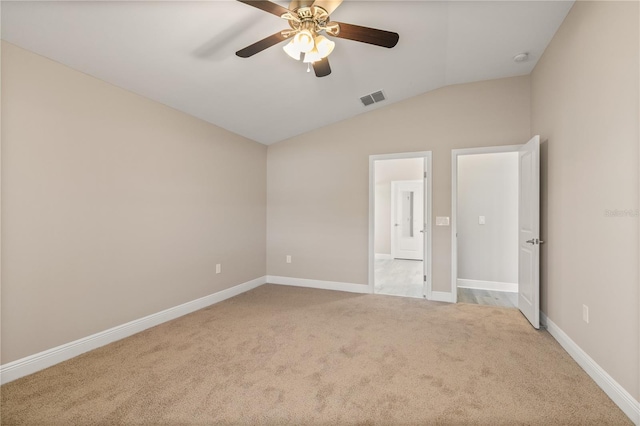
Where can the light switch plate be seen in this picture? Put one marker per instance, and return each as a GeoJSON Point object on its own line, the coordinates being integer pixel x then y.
{"type": "Point", "coordinates": [481, 220]}
{"type": "Point", "coordinates": [585, 313]}
{"type": "Point", "coordinates": [442, 221]}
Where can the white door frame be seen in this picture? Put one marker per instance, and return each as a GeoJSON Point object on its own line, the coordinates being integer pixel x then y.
{"type": "Point", "coordinates": [455, 153]}
{"type": "Point", "coordinates": [427, 255]}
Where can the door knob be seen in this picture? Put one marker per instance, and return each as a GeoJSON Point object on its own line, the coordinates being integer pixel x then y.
{"type": "Point", "coordinates": [531, 241]}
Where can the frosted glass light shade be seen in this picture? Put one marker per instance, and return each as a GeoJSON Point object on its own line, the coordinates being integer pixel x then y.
{"type": "Point", "coordinates": [291, 50]}
{"type": "Point", "coordinates": [312, 56]}
{"type": "Point", "coordinates": [304, 41]}
{"type": "Point", "coordinates": [324, 46]}
{"type": "Point", "coordinates": [314, 48]}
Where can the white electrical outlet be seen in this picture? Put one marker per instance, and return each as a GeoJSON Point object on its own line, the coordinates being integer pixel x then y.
{"type": "Point", "coordinates": [288, 258]}
{"type": "Point", "coordinates": [585, 313]}
{"type": "Point", "coordinates": [218, 268]}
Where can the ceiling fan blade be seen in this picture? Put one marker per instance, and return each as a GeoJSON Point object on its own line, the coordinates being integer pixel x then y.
{"type": "Point", "coordinates": [261, 45]}
{"type": "Point", "coordinates": [322, 68]}
{"type": "Point", "coordinates": [267, 6]}
{"type": "Point", "coordinates": [367, 35]}
{"type": "Point", "coordinates": [295, 4]}
{"type": "Point", "coordinates": [328, 5]}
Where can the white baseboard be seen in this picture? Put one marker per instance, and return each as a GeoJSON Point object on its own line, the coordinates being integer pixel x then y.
{"type": "Point", "coordinates": [325, 285]}
{"type": "Point", "coordinates": [487, 285]}
{"type": "Point", "coordinates": [30, 364]}
{"type": "Point", "coordinates": [617, 393]}
{"type": "Point", "coordinates": [441, 296]}
{"type": "Point", "coordinates": [383, 256]}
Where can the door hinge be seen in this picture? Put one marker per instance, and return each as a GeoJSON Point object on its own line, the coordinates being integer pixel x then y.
{"type": "Point", "coordinates": [425, 175]}
{"type": "Point", "coordinates": [424, 277]}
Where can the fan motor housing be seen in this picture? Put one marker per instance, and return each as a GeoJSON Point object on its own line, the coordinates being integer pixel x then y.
{"type": "Point", "coordinates": [314, 16]}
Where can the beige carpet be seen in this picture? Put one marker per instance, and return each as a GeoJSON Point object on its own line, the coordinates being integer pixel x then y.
{"type": "Point", "coordinates": [284, 355]}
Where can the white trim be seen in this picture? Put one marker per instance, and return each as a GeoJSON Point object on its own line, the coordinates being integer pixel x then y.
{"type": "Point", "coordinates": [487, 285]}
{"type": "Point", "coordinates": [454, 201]}
{"type": "Point", "coordinates": [428, 203]}
{"type": "Point", "coordinates": [638, 228]}
{"type": "Point", "coordinates": [383, 256]}
{"type": "Point", "coordinates": [399, 155]}
{"type": "Point", "coordinates": [30, 364]}
{"type": "Point", "coordinates": [428, 200]}
{"type": "Point", "coordinates": [613, 389]}
{"type": "Point", "coordinates": [372, 220]}
{"type": "Point", "coordinates": [324, 285]}
{"type": "Point", "coordinates": [442, 296]}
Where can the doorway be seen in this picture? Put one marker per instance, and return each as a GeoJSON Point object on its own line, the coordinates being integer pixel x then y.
{"type": "Point", "coordinates": [399, 224]}
{"type": "Point", "coordinates": [522, 264]}
{"type": "Point", "coordinates": [487, 228]}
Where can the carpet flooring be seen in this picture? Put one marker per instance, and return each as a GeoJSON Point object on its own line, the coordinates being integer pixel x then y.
{"type": "Point", "coordinates": [286, 355]}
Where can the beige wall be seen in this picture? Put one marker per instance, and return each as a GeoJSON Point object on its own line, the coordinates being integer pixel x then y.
{"type": "Point", "coordinates": [114, 206]}
{"type": "Point", "coordinates": [317, 183]}
{"type": "Point", "coordinates": [584, 93]}
{"type": "Point", "coordinates": [387, 171]}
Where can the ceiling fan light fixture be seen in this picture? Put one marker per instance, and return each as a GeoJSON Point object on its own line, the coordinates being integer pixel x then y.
{"type": "Point", "coordinates": [304, 41]}
{"type": "Point", "coordinates": [306, 20]}
{"type": "Point", "coordinates": [292, 50]}
{"type": "Point", "coordinates": [312, 56]}
{"type": "Point", "coordinates": [324, 46]}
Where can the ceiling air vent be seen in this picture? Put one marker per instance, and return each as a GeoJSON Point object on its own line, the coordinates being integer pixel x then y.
{"type": "Point", "coordinates": [373, 98]}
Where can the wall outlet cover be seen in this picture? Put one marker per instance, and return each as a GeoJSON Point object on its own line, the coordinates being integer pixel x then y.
{"type": "Point", "coordinates": [442, 221]}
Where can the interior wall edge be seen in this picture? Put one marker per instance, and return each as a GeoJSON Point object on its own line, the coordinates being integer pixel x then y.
{"type": "Point", "coordinates": [319, 284]}
{"type": "Point", "coordinates": [39, 361]}
{"type": "Point", "coordinates": [623, 399]}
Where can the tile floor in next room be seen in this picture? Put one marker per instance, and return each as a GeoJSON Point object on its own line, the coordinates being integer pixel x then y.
{"type": "Point", "coordinates": [400, 277]}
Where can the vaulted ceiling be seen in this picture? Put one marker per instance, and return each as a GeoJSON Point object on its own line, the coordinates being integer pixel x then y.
{"type": "Point", "coordinates": [182, 54]}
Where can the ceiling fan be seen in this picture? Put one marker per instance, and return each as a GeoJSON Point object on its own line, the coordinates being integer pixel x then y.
{"type": "Point", "coordinates": [307, 19]}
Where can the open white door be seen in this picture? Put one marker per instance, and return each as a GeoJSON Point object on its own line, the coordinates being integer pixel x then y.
{"type": "Point", "coordinates": [529, 232]}
{"type": "Point", "coordinates": [407, 237]}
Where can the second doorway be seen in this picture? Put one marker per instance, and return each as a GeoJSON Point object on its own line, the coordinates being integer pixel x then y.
{"type": "Point", "coordinates": [401, 225]}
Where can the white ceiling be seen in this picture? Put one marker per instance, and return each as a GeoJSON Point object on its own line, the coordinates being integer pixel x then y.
{"type": "Point", "coordinates": [182, 54]}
